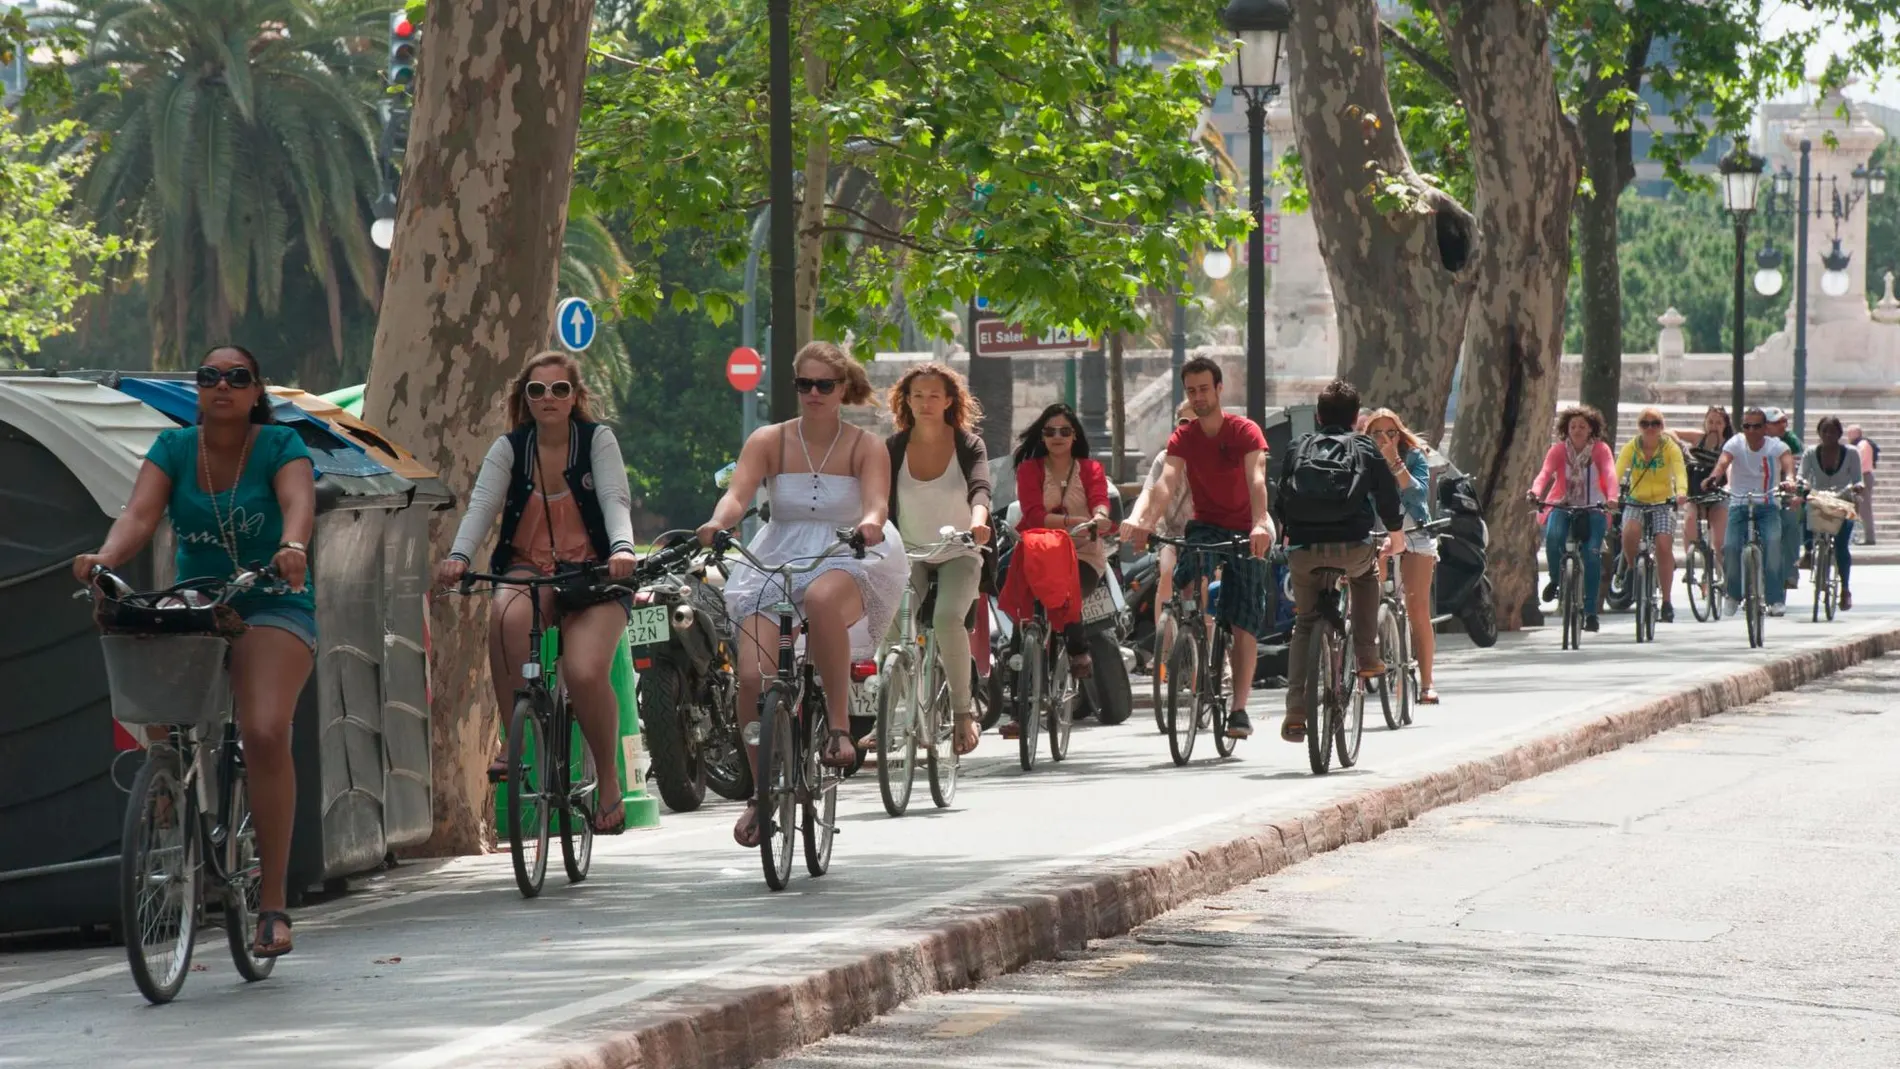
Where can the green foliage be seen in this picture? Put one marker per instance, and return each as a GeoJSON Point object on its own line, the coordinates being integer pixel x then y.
{"type": "Point", "coordinates": [986, 147]}
{"type": "Point", "coordinates": [1680, 252]}
{"type": "Point", "coordinates": [48, 260]}
{"type": "Point", "coordinates": [1883, 221]}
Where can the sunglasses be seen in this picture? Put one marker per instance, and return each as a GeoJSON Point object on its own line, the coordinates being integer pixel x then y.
{"type": "Point", "coordinates": [238, 377]}
{"type": "Point", "coordinates": [1649, 423]}
{"type": "Point", "coordinates": [561, 390]}
{"type": "Point", "coordinates": [1385, 432]}
{"type": "Point", "coordinates": [1753, 426]}
{"type": "Point", "coordinates": [823, 386]}
{"type": "Point", "coordinates": [1058, 432]}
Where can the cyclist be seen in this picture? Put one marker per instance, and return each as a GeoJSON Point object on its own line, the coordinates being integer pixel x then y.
{"type": "Point", "coordinates": [1754, 464]}
{"type": "Point", "coordinates": [1869, 460]}
{"type": "Point", "coordinates": [1222, 459]}
{"type": "Point", "coordinates": [1058, 487]}
{"type": "Point", "coordinates": [1703, 449]}
{"type": "Point", "coordinates": [1793, 532]}
{"type": "Point", "coordinates": [823, 475]}
{"type": "Point", "coordinates": [935, 415]}
{"type": "Point", "coordinates": [1835, 466]}
{"type": "Point", "coordinates": [240, 490]}
{"type": "Point", "coordinates": [1172, 523]}
{"type": "Point", "coordinates": [557, 481]}
{"type": "Point", "coordinates": [1412, 472]}
{"type": "Point", "coordinates": [1336, 493]}
{"type": "Point", "coordinates": [1652, 466]}
{"type": "Point", "coordinates": [1578, 472]}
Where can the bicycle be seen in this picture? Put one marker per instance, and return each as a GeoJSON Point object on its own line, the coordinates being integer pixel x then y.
{"type": "Point", "coordinates": [914, 702]}
{"type": "Point", "coordinates": [541, 777]}
{"type": "Point", "coordinates": [1570, 607]}
{"type": "Point", "coordinates": [1643, 601]}
{"type": "Point", "coordinates": [1045, 693]}
{"type": "Point", "coordinates": [1197, 662]}
{"type": "Point", "coordinates": [1399, 687]}
{"type": "Point", "coordinates": [1335, 693]}
{"type": "Point", "coordinates": [1701, 571]}
{"type": "Point", "coordinates": [1754, 586]}
{"type": "Point", "coordinates": [1827, 578]}
{"type": "Point", "coordinates": [188, 815]}
{"type": "Point", "coordinates": [790, 733]}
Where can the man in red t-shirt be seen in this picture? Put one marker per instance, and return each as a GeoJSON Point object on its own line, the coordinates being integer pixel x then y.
{"type": "Point", "coordinates": [1224, 460]}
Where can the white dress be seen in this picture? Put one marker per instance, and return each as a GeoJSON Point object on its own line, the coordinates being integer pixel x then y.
{"type": "Point", "coordinates": [807, 511]}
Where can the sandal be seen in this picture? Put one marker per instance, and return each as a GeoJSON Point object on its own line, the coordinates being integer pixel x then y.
{"type": "Point", "coordinates": [1081, 666]}
{"type": "Point", "coordinates": [268, 920]}
{"type": "Point", "coordinates": [618, 824]}
{"type": "Point", "coordinates": [967, 734]}
{"type": "Point", "coordinates": [836, 756]}
{"type": "Point", "coordinates": [1293, 729]}
{"type": "Point", "coordinates": [1428, 697]}
{"type": "Point", "coordinates": [1009, 729]}
{"type": "Point", "coordinates": [747, 832]}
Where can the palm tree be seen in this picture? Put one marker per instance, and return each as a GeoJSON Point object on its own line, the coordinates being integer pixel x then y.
{"type": "Point", "coordinates": [238, 132]}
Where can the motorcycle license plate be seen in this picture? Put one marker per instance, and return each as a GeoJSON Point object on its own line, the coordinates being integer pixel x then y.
{"type": "Point", "coordinates": [647, 625]}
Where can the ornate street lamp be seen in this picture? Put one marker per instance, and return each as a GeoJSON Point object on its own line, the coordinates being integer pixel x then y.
{"type": "Point", "coordinates": [1261, 27]}
{"type": "Point", "coordinates": [1768, 271]}
{"type": "Point", "coordinates": [382, 231]}
{"type": "Point", "coordinates": [1741, 181]}
{"type": "Point", "coordinates": [1834, 280]}
{"type": "Point", "coordinates": [1217, 264]}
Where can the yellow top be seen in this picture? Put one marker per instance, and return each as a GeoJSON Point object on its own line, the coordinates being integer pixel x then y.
{"type": "Point", "coordinates": [1653, 480]}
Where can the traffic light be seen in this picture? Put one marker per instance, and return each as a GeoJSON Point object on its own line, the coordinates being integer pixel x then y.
{"type": "Point", "coordinates": [404, 36]}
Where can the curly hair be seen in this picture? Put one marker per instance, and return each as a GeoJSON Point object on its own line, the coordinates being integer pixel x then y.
{"type": "Point", "coordinates": [964, 412]}
{"type": "Point", "coordinates": [857, 384]}
{"type": "Point", "coordinates": [518, 412]}
{"type": "Point", "coordinates": [1588, 413]}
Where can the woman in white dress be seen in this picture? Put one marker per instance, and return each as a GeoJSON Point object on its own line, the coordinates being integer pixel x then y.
{"type": "Point", "coordinates": [822, 474]}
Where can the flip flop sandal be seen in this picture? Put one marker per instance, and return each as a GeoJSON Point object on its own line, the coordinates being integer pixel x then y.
{"type": "Point", "coordinates": [268, 920]}
{"type": "Point", "coordinates": [619, 823]}
{"type": "Point", "coordinates": [747, 832]}
{"type": "Point", "coordinates": [835, 756]}
{"type": "Point", "coordinates": [1429, 697]}
{"type": "Point", "coordinates": [1293, 730]}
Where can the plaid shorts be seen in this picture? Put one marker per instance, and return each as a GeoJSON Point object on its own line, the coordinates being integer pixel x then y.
{"type": "Point", "coordinates": [1243, 579]}
{"type": "Point", "coordinates": [1659, 519]}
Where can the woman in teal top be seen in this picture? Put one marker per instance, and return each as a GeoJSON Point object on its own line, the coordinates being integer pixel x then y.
{"type": "Point", "coordinates": [240, 491]}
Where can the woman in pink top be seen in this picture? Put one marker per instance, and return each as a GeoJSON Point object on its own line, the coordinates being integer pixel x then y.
{"type": "Point", "coordinates": [1578, 472]}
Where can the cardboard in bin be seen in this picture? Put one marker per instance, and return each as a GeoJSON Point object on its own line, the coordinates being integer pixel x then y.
{"type": "Point", "coordinates": [369, 439]}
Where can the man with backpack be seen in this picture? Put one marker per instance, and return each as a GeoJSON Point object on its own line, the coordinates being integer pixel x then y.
{"type": "Point", "coordinates": [1338, 503]}
{"type": "Point", "coordinates": [1223, 459]}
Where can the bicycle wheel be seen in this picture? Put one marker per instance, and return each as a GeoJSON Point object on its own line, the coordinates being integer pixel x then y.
{"type": "Point", "coordinates": [1392, 689]}
{"type": "Point", "coordinates": [1645, 582]}
{"type": "Point", "coordinates": [1214, 695]}
{"type": "Point", "coordinates": [1824, 579]}
{"type": "Point", "coordinates": [577, 816]}
{"type": "Point", "coordinates": [1030, 684]}
{"type": "Point", "coordinates": [778, 786]}
{"type": "Point", "coordinates": [530, 775]}
{"type": "Point", "coordinates": [1159, 669]}
{"type": "Point", "coordinates": [243, 872]}
{"type": "Point", "coordinates": [896, 734]}
{"type": "Point", "coordinates": [819, 811]}
{"type": "Point", "coordinates": [940, 729]}
{"type": "Point", "coordinates": [1350, 724]}
{"type": "Point", "coordinates": [1754, 605]}
{"type": "Point", "coordinates": [1697, 578]}
{"type": "Point", "coordinates": [1059, 715]}
{"type": "Point", "coordinates": [159, 872]}
{"type": "Point", "coordinates": [1184, 707]}
{"type": "Point", "coordinates": [1570, 602]}
{"type": "Point", "coordinates": [1322, 694]}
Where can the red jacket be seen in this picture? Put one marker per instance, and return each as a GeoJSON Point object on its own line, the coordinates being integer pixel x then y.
{"type": "Point", "coordinates": [1029, 477]}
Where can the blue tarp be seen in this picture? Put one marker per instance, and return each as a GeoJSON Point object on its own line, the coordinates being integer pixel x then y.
{"type": "Point", "coordinates": [330, 452]}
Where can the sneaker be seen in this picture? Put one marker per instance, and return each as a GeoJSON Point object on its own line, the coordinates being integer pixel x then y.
{"type": "Point", "coordinates": [1777, 610]}
{"type": "Point", "coordinates": [1668, 614]}
{"type": "Point", "coordinates": [1550, 591]}
{"type": "Point", "coordinates": [1238, 726]}
{"type": "Point", "coordinates": [1590, 622]}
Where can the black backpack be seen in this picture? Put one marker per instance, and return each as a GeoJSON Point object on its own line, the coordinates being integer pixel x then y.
{"type": "Point", "coordinates": [1326, 481]}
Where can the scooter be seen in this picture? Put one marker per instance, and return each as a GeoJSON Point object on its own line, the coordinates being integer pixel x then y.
{"type": "Point", "coordinates": [1460, 588]}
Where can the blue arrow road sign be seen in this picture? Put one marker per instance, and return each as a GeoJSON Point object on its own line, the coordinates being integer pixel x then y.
{"type": "Point", "coordinates": [574, 320]}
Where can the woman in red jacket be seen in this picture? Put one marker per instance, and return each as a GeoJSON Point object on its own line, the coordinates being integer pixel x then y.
{"type": "Point", "coordinates": [1059, 487]}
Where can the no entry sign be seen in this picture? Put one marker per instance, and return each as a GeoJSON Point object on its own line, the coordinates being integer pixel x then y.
{"type": "Point", "coordinates": [744, 369]}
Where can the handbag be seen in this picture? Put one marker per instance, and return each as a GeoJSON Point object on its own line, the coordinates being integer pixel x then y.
{"type": "Point", "coordinates": [576, 587]}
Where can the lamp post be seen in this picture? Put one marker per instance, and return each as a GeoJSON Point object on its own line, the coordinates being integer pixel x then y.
{"type": "Point", "coordinates": [1261, 26]}
{"type": "Point", "coordinates": [1741, 181]}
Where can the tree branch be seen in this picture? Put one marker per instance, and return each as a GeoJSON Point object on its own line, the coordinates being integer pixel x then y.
{"type": "Point", "coordinates": [1424, 60]}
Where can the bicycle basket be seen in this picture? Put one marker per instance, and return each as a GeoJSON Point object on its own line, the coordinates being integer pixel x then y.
{"type": "Point", "coordinates": [167, 679]}
{"type": "Point", "coordinates": [1827, 512]}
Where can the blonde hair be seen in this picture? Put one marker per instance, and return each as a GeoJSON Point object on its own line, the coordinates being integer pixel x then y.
{"type": "Point", "coordinates": [857, 385]}
{"type": "Point", "coordinates": [964, 411]}
{"type": "Point", "coordinates": [1654, 413]}
{"type": "Point", "coordinates": [1407, 440]}
{"type": "Point", "coordinates": [518, 413]}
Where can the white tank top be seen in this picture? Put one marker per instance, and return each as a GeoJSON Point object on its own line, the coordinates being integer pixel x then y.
{"type": "Point", "coordinates": [925, 508]}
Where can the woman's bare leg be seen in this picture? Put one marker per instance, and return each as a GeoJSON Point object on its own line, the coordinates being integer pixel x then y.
{"type": "Point", "coordinates": [832, 604]}
{"type": "Point", "coordinates": [269, 667]}
{"type": "Point", "coordinates": [1417, 569]}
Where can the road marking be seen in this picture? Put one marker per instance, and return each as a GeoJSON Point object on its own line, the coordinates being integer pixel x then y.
{"type": "Point", "coordinates": [965, 1025]}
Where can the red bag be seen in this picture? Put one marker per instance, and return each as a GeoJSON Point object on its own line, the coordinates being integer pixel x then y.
{"type": "Point", "coordinates": [1044, 570]}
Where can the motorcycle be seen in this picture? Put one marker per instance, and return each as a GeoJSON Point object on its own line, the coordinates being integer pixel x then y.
{"type": "Point", "coordinates": [1460, 587]}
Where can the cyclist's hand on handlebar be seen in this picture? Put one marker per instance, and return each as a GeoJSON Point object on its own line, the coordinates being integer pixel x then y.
{"type": "Point", "coordinates": [1260, 539]}
{"type": "Point", "coordinates": [872, 533]}
{"type": "Point", "coordinates": [620, 565]}
{"type": "Point", "coordinates": [84, 564]}
{"type": "Point", "coordinates": [448, 572]}
{"type": "Point", "coordinates": [291, 565]}
{"type": "Point", "coordinates": [980, 533]}
{"type": "Point", "coordinates": [1135, 535]}
{"type": "Point", "coordinates": [706, 532]}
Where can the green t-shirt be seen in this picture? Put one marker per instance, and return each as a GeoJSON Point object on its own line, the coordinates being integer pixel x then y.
{"type": "Point", "coordinates": [1793, 443]}
{"type": "Point", "coordinates": [250, 506]}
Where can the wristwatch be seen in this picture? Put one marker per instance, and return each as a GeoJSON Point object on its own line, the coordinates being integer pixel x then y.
{"type": "Point", "coordinates": [298, 546]}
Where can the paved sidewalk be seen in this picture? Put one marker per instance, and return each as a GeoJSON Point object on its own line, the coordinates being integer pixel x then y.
{"type": "Point", "coordinates": [444, 964]}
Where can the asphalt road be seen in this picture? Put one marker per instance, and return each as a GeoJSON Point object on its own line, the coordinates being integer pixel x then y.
{"type": "Point", "coordinates": [444, 964]}
{"type": "Point", "coordinates": [1719, 895]}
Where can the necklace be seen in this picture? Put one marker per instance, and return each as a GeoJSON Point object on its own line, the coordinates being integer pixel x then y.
{"type": "Point", "coordinates": [226, 521]}
{"type": "Point", "coordinates": [806, 448]}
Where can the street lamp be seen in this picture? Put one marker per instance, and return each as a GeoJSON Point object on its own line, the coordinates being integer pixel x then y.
{"type": "Point", "coordinates": [1217, 264]}
{"type": "Point", "coordinates": [1768, 271]}
{"type": "Point", "coordinates": [1834, 281]}
{"type": "Point", "coordinates": [1261, 26]}
{"type": "Point", "coordinates": [382, 232]}
{"type": "Point", "coordinates": [1741, 181]}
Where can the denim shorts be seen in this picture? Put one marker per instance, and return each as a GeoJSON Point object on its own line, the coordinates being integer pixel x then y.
{"type": "Point", "coordinates": [294, 619]}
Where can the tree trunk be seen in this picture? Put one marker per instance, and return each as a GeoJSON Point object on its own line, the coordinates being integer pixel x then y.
{"type": "Point", "coordinates": [468, 299]}
{"type": "Point", "coordinates": [1117, 408]}
{"type": "Point", "coordinates": [811, 207]}
{"type": "Point", "coordinates": [1608, 161]}
{"type": "Point", "coordinates": [1401, 268]}
{"type": "Point", "coordinates": [1524, 155]}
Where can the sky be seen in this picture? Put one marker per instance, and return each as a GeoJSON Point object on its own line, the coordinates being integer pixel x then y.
{"type": "Point", "coordinates": [1788, 16]}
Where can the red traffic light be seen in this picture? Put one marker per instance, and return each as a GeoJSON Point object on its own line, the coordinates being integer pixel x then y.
{"type": "Point", "coordinates": [402, 27]}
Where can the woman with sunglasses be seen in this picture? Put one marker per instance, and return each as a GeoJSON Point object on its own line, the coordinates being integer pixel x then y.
{"type": "Point", "coordinates": [1059, 487]}
{"type": "Point", "coordinates": [823, 474]}
{"type": "Point", "coordinates": [1652, 467]}
{"type": "Point", "coordinates": [559, 484]}
{"type": "Point", "coordinates": [240, 491]}
{"type": "Point", "coordinates": [940, 477]}
{"type": "Point", "coordinates": [1412, 471]}
{"type": "Point", "coordinates": [1704, 449]}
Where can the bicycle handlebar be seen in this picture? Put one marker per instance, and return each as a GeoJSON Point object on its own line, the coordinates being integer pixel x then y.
{"type": "Point", "coordinates": [248, 579]}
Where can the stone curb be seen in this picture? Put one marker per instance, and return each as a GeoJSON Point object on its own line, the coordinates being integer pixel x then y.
{"type": "Point", "coordinates": [731, 1030]}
